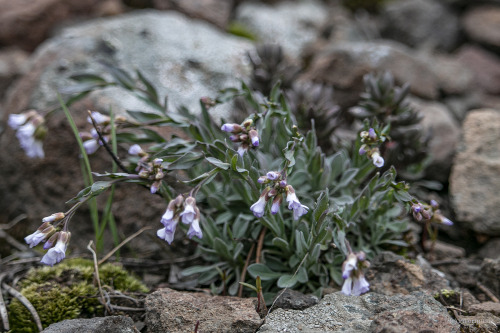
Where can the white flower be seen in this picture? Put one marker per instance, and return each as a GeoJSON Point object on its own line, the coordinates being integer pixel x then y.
{"type": "Point", "coordinates": [35, 238]}
{"type": "Point", "coordinates": [378, 160]}
{"type": "Point", "coordinates": [16, 120]}
{"type": "Point", "coordinates": [272, 175]}
{"type": "Point", "coordinates": [168, 232]}
{"type": "Point", "coordinates": [354, 280]}
{"type": "Point", "coordinates": [99, 118]}
{"type": "Point", "coordinates": [91, 146]}
{"type": "Point", "coordinates": [135, 150]}
{"type": "Point", "coordinates": [58, 252]}
{"type": "Point", "coordinates": [26, 136]}
{"type": "Point", "coordinates": [258, 207]}
{"type": "Point", "coordinates": [242, 149]}
{"type": "Point", "coordinates": [189, 212]}
{"type": "Point", "coordinates": [194, 229]}
{"type": "Point", "coordinates": [254, 137]}
{"type": "Point", "coordinates": [299, 211]}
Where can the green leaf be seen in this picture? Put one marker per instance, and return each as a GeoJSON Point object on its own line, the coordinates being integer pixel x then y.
{"type": "Point", "coordinates": [197, 269]}
{"type": "Point", "coordinates": [287, 281]}
{"type": "Point", "coordinates": [87, 78]}
{"type": "Point", "coordinates": [149, 87]}
{"type": "Point", "coordinates": [218, 163]}
{"type": "Point", "coordinates": [122, 77]}
{"type": "Point", "coordinates": [145, 117]}
{"type": "Point", "coordinates": [302, 275]}
{"type": "Point", "coordinates": [281, 243]}
{"type": "Point", "coordinates": [346, 178]}
{"type": "Point", "coordinates": [185, 161]}
{"type": "Point", "coordinates": [249, 286]}
{"type": "Point", "coordinates": [263, 271]}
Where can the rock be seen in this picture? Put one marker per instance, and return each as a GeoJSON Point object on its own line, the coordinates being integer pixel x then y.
{"type": "Point", "coordinates": [461, 272]}
{"type": "Point", "coordinates": [213, 11]}
{"type": "Point", "coordinates": [484, 65]}
{"type": "Point", "coordinates": [371, 312]}
{"type": "Point", "coordinates": [290, 24]}
{"type": "Point", "coordinates": [13, 62]}
{"type": "Point", "coordinates": [292, 299]}
{"type": "Point", "coordinates": [491, 249]}
{"type": "Point", "coordinates": [421, 23]}
{"type": "Point", "coordinates": [443, 251]}
{"type": "Point", "coordinates": [25, 23]}
{"type": "Point", "coordinates": [344, 64]}
{"type": "Point", "coordinates": [482, 24]}
{"type": "Point", "coordinates": [459, 298]}
{"type": "Point", "coordinates": [489, 273]}
{"type": "Point", "coordinates": [391, 274]}
{"type": "Point", "coordinates": [474, 181]}
{"type": "Point", "coordinates": [185, 59]}
{"type": "Point", "coordinates": [480, 323]}
{"type": "Point", "coordinates": [112, 324]}
{"type": "Point", "coordinates": [453, 77]}
{"type": "Point", "coordinates": [444, 133]}
{"type": "Point", "coordinates": [491, 307]}
{"type": "Point", "coordinates": [172, 311]}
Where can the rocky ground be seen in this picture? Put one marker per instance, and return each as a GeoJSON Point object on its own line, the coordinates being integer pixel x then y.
{"type": "Point", "coordinates": [449, 51]}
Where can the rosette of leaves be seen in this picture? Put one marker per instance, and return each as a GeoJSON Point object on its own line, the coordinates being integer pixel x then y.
{"type": "Point", "coordinates": [386, 103]}
{"type": "Point", "coordinates": [269, 66]}
{"type": "Point", "coordinates": [314, 104]}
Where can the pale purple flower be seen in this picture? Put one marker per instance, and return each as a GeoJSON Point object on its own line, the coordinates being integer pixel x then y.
{"type": "Point", "coordinates": [283, 183]}
{"type": "Point", "coordinates": [254, 137]}
{"type": "Point", "coordinates": [17, 120]}
{"type": "Point", "coordinates": [135, 150]}
{"type": "Point", "coordinates": [299, 211]}
{"type": "Point", "coordinates": [194, 228]}
{"type": "Point", "coordinates": [35, 238]}
{"type": "Point", "coordinates": [354, 280]}
{"type": "Point", "coordinates": [90, 146]}
{"type": "Point", "coordinates": [259, 207]}
{"type": "Point", "coordinates": [232, 128]}
{"type": "Point", "coordinates": [294, 203]}
{"type": "Point", "coordinates": [155, 186]}
{"type": "Point", "coordinates": [275, 208]}
{"type": "Point", "coordinates": [378, 160]}
{"type": "Point", "coordinates": [272, 175]}
{"type": "Point", "coordinates": [57, 253]}
{"type": "Point", "coordinates": [99, 118]}
{"type": "Point", "coordinates": [26, 136]}
{"type": "Point", "coordinates": [53, 217]}
{"type": "Point", "coordinates": [241, 150]}
{"type": "Point", "coordinates": [262, 179]}
{"type": "Point", "coordinates": [168, 232]}
{"type": "Point", "coordinates": [189, 212]}
{"type": "Point", "coordinates": [362, 150]}
{"type": "Point", "coordinates": [372, 134]}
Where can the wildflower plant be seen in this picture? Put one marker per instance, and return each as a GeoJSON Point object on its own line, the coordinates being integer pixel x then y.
{"type": "Point", "coordinates": [238, 177]}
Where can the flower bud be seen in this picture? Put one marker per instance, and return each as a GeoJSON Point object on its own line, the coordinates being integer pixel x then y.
{"type": "Point", "coordinates": [54, 217]}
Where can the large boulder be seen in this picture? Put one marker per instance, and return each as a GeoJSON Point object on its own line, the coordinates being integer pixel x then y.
{"type": "Point", "coordinates": [474, 181]}
{"type": "Point", "coordinates": [184, 58]}
{"type": "Point", "coordinates": [482, 24]}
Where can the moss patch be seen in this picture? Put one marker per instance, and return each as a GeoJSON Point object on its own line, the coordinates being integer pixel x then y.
{"type": "Point", "coordinates": [67, 291]}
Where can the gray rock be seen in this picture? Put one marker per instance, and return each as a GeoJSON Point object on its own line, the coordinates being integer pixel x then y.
{"type": "Point", "coordinates": [421, 23]}
{"type": "Point", "coordinates": [13, 62]}
{"type": "Point", "coordinates": [489, 273]}
{"type": "Point", "coordinates": [184, 58]}
{"type": "Point", "coordinates": [474, 181]}
{"type": "Point", "coordinates": [371, 312]}
{"type": "Point", "coordinates": [172, 311]}
{"type": "Point", "coordinates": [213, 11]}
{"type": "Point", "coordinates": [444, 133]}
{"type": "Point", "coordinates": [292, 299]}
{"type": "Point", "coordinates": [290, 24]}
{"type": "Point", "coordinates": [491, 249]}
{"type": "Point", "coordinates": [453, 77]}
{"type": "Point", "coordinates": [491, 307]}
{"type": "Point", "coordinates": [344, 64]}
{"type": "Point", "coordinates": [112, 324]}
{"type": "Point", "coordinates": [391, 274]}
{"type": "Point", "coordinates": [484, 65]}
{"type": "Point", "coordinates": [482, 24]}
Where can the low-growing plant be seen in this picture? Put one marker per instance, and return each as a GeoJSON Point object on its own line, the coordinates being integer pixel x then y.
{"type": "Point", "coordinates": [239, 174]}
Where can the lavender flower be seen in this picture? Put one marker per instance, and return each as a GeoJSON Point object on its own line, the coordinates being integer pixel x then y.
{"type": "Point", "coordinates": [378, 160]}
{"type": "Point", "coordinates": [372, 134]}
{"type": "Point", "coordinates": [355, 282]}
{"type": "Point", "coordinates": [168, 232]}
{"type": "Point", "coordinates": [54, 217]}
{"type": "Point", "coordinates": [272, 175]}
{"type": "Point", "coordinates": [254, 137]}
{"type": "Point", "coordinates": [189, 212]}
{"type": "Point", "coordinates": [90, 146]}
{"type": "Point", "coordinates": [41, 234]}
{"type": "Point", "coordinates": [16, 120]}
{"type": "Point", "coordinates": [276, 204]}
{"type": "Point", "coordinates": [244, 133]}
{"type": "Point", "coordinates": [57, 253]}
{"type": "Point", "coordinates": [29, 133]}
{"type": "Point", "coordinates": [99, 118]}
{"type": "Point", "coordinates": [294, 203]}
{"type": "Point", "coordinates": [231, 128]}
{"type": "Point", "coordinates": [194, 228]}
{"type": "Point", "coordinates": [259, 207]}
{"type": "Point", "coordinates": [242, 149]}
{"type": "Point", "coordinates": [135, 150]}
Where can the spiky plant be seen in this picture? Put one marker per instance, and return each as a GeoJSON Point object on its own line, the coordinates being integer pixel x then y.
{"type": "Point", "coordinates": [386, 103]}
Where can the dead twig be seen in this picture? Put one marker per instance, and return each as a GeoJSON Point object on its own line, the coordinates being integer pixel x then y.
{"type": "Point", "coordinates": [125, 241]}
{"type": "Point", "coordinates": [12, 223]}
{"type": "Point", "coordinates": [12, 241]}
{"type": "Point", "coordinates": [244, 270]}
{"type": "Point", "coordinates": [26, 303]}
{"type": "Point", "coordinates": [96, 274]}
{"type": "Point", "coordinates": [260, 243]}
{"type": "Point", "coordinates": [487, 292]}
{"type": "Point", "coordinates": [3, 308]}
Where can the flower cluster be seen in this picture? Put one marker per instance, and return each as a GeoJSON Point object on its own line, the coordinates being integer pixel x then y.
{"type": "Point", "coordinates": [429, 213]}
{"type": "Point", "coordinates": [91, 140]}
{"type": "Point", "coordinates": [352, 272]}
{"type": "Point", "coordinates": [245, 134]}
{"type": "Point", "coordinates": [371, 140]}
{"type": "Point", "coordinates": [187, 211]}
{"type": "Point", "coordinates": [277, 187]}
{"type": "Point", "coordinates": [30, 131]}
{"type": "Point", "coordinates": [56, 241]}
{"type": "Point", "coordinates": [148, 170]}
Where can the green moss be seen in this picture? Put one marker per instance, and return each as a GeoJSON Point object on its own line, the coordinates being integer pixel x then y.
{"type": "Point", "coordinates": [445, 293]}
{"type": "Point", "coordinates": [67, 291]}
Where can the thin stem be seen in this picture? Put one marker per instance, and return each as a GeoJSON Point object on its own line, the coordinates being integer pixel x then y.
{"type": "Point", "coordinates": [244, 270]}
{"type": "Point", "coordinates": [96, 273]}
{"type": "Point", "coordinates": [260, 244]}
{"type": "Point", "coordinates": [26, 303]}
{"type": "Point", "coordinates": [125, 241]}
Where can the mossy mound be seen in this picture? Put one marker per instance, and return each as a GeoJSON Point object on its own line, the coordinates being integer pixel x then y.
{"type": "Point", "coordinates": [67, 291]}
